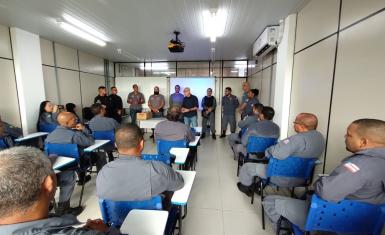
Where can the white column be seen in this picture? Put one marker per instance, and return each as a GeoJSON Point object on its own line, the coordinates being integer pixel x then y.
{"type": "Point", "coordinates": [282, 89]}
{"type": "Point", "coordinates": [29, 76]}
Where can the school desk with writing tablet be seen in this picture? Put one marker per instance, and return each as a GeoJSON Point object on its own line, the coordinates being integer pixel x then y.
{"type": "Point", "coordinates": [145, 222]}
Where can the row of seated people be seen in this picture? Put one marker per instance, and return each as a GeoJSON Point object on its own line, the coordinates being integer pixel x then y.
{"type": "Point", "coordinates": [359, 177]}
{"type": "Point", "coordinates": [148, 178]}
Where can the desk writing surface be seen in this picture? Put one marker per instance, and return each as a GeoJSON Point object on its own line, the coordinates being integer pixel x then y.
{"type": "Point", "coordinates": [98, 144]}
{"type": "Point", "coordinates": [181, 196]}
{"type": "Point", "coordinates": [145, 222]}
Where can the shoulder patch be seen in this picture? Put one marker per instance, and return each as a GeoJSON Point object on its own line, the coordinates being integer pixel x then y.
{"type": "Point", "coordinates": [353, 168]}
{"type": "Point", "coordinates": [286, 141]}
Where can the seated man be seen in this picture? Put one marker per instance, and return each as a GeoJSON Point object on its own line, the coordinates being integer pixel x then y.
{"type": "Point", "coordinates": [8, 133]}
{"type": "Point", "coordinates": [265, 127]}
{"type": "Point", "coordinates": [131, 179]}
{"type": "Point", "coordinates": [68, 132]}
{"type": "Point", "coordinates": [308, 143]}
{"type": "Point", "coordinates": [28, 185]}
{"type": "Point", "coordinates": [359, 177]}
{"type": "Point", "coordinates": [172, 129]}
{"type": "Point", "coordinates": [247, 122]}
{"type": "Point", "coordinates": [99, 122]}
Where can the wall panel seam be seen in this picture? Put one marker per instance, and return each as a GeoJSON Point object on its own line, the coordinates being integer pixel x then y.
{"type": "Point", "coordinates": [74, 70]}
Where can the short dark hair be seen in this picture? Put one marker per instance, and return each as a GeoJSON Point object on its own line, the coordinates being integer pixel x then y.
{"type": "Point", "coordinates": [255, 92]}
{"type": "Point", "coordinates": [258, 106]}
{"type": "Point", "coordinates": [113, 87]}
{"type": "Point", "coordinates": [101, 87]}
{"type": "Point", "coordinates": [268, 112]}
{"type": "Point", "coordinates": [96, 109]}
{"type": "Point", "coordinates": [371, 128]}
{"type": "Point", "coordinates": [173, 113]}
{"type": "Point", "coordinates": [228, 88]}
{"type": "Point", "coordinates": [128, 136]}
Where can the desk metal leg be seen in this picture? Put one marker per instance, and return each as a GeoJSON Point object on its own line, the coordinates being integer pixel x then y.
{"type": "Point", "coordinates": [180, 220]}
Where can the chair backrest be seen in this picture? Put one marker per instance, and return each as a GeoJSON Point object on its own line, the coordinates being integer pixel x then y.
{"type": "Point", "coordinates": [243, 131]}
{"type": "Point", "coordinates": [3, 145]}
{"type": "Point", "coordinates": [66, 150]}
{"type": "Point", "coordinates": [291, 167]}
{"type": "Point", "coordinates": [256, 144]}
{"type": "Point", "coordinates": [156, 157]}
{"type": "Point", "coordinates": [105, 135]}
{"type": "Point", "coordinates": [164, 146]}
{"type": "Point", "coordinates": [47, 127]}
{"type": "Point", "coordinates": [114, 212]}
{"type": "Point", "coordinates": [346, 216]}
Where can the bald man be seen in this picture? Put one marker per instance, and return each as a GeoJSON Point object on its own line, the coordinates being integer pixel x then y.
{"type": "Point", "coordinates": [307, 143]}
{"type": "Point", "coordinates": [190, 106]}
{"type": "Point", "coordinates": [246, 89]}
{"type": "Point", "coordinates": [69, 132]}
{"type": "Point", "coordinates": [360, 176]}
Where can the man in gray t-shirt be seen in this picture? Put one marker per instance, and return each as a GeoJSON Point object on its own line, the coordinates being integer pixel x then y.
{"type": "Point", "coordinates": [135, 99]}
{"type": "Point", "coordinates": [156, 103]}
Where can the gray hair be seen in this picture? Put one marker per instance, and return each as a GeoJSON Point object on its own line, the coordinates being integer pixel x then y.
{"type": "Point", "coordinates": [22, 171]}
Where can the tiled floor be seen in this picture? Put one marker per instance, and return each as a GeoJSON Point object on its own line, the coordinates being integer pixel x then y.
{"type": "Point", "coordinates": [216, 206]}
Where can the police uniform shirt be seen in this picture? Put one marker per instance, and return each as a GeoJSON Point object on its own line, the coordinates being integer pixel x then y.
{"type": "Point", "coordinates": [230, 104]}
{"type": "Point", "coordinates": [65, 135]}
{"type": "Point", "coordinates": [99, 123]}
{"type": "Point", "coordinates": [247, 122]}
{"type": "Point", "coordinates": [131, 179]}
{"type": "Point", "coordinates": [249, 105]}
{"type": "Point", "coordinates": [156, 101]}
{"type": "Point", "coordinates": [169, 130]}
{"type": "Point", "coordinates": [48, 118]}
{"type": "Point", "coordinates": [138, 99]}
{"type": "Point", "coordinates": [359, 177]}
{"type": "Point", "coordinates": [263, 128]}
{"type": "Point", "coordinates": [309, 144]}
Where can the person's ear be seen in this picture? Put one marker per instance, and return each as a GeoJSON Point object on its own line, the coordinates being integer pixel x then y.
{"type": "Point", "coordinates": [141, 145]}
{"type": "Point", "coordinates": [49, 186]}
{"type": "Point", "coordinates": [363, 142]}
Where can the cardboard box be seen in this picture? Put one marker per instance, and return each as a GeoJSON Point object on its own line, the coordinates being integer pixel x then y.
{"type": "Point", "coordinates": [144, 116]}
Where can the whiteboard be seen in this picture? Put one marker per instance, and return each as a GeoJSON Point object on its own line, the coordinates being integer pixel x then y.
{"type": "Point", "coordinates": [146, 86]}
{"type": "Point", "coordinates": [198, 86]}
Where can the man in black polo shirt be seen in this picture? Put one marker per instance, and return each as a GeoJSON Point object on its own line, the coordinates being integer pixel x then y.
{"type": "Point", "coordinates": [103, 99]}
{"type": "Point", "coordinates": [189, 108]}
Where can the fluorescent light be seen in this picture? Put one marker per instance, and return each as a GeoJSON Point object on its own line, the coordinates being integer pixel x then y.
{"type": "Point", "coordinates": [85, 27]}
{"type": "Point", "coordinates": [78, 32]}
{"type": "Point", "coordinates": [154, 66]}
{"type": "Point", "coordinates": [234, 71]}
{"type": "Point", "coordinates": [214, 23]}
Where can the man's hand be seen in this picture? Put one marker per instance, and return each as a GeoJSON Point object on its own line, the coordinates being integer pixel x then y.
{"type": "Point", "coordinates": [119, 111]}
{"type": "Point", "coordinates": [184, 110]}
{"type": "Point", "coordinates": [209, 110]}
{"type": "Point", "coordinates": [55, 108]}
{"type": "Point", "coordinates": [79, 127]}
{"type": "Point", "coordinates": [97, 225]}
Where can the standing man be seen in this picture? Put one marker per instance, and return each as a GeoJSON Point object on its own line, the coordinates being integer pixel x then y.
{"type": "Point", "coordinates": [156, 103]}
{"type": "Point", "coordinates": [102, 98]}
{"type": "Point", "coordinates": [116, 105]}
{"type": "Point", "coordinates": [249, 103]}
{"type": "Point", "coordinates": [229, 104]}
{"type": "Point", "coordinates": [209, 104]}
{"type": "Point", "coordinates": [246, 89]}
{"type": "Point", "coordinates": [176, 99]}
{"type": "Point", "coordinates": [189, 108]}
{"type": "Point", "coordinates": [135, 99]}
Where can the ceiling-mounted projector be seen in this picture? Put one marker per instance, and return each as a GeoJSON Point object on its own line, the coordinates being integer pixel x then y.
{"type": "Point", "coordinates": [175, 45]}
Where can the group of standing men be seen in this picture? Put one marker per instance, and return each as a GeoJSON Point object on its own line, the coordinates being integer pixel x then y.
{"type": "Point", "coordinates": [188, 103]}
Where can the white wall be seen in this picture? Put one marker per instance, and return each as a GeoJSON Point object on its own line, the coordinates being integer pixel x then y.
{"type": "Point", "coordinates": [29, 76]}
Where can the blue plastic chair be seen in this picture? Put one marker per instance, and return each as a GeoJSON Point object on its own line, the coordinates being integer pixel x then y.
{"type": "Point", "coordinates": [164, 146]}
{"type": "Point", "coordinates": [155, 157]}
{"type": "Point", "coordinates": [47, 127]}
{"type": "Point", "coordinates": [3, 145]}
{"type": "Point", "coordinates": [105, 135]}
{"type": "Point", "coordinates": [255, 145]}
{"type": "Point", "coordinates": [347, 216]}
{"type": "Point", "coordinates": [114, 212]}
{"type": "Point", "coordinates": [66, 150]}
{"type": "Point", "coordinates": [291, 167]}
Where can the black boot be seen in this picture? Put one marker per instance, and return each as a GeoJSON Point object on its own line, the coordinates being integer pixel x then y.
{"type": "Point", "coordinates": [203, 135]}
{"type": "Point", "coordinates": [83, 175]}
{"type": "Point", "coordinates": [223, 135]}
{"type": "Point", "coordinates": [64, 208]}
{"type": "Point", "coordinates": [214, 136]}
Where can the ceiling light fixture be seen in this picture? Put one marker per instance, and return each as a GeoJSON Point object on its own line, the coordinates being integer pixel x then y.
{"type": "Point", "coordinates": [214, 23]}
{"type": "Point", "coordinates": [78, 32]}
{"type": "Point", "coordinates": [154, 66]}
{"type": "Point", "coordinates": [85, 27]}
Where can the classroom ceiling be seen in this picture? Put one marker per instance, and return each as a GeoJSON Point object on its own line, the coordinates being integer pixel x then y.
{"type": "Point", "coordinates": [142, 28]}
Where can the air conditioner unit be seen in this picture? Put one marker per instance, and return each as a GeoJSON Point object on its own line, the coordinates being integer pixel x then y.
{"type": "Point", "coordinates": [266, 42]}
